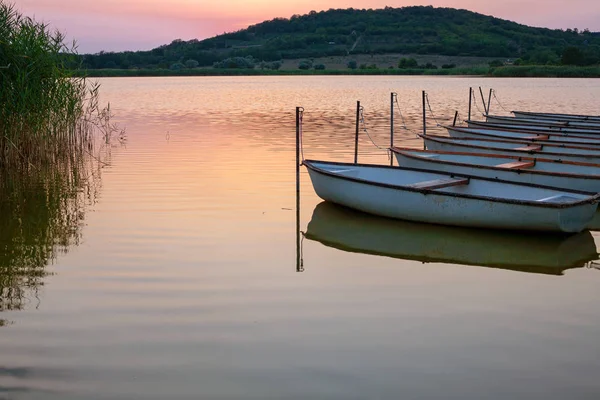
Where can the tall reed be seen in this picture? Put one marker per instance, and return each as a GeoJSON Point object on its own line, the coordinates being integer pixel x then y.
{"type": "Point", "coordinates": [46, 113]}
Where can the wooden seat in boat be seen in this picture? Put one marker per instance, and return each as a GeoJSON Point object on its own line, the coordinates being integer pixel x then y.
{"type": "Point", "coordinates": [538, 137]}
{"type": "Point", "coordinates": [531, 147]}
{"type": "Point", "coordinates": [440, 183]}
{"type": "Point", "coordinates": [517, 164]}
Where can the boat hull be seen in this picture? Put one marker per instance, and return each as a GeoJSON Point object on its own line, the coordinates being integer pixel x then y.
{"type": "Point", "coordinates": [445, 208]}
{"type": "Point", "coordinates": [556, 116]}
{"type": "Point", "coordinates": [591, 133]}
{"type": "Point", "coordinates": [479, 133]}
{"type": "Point", "coordinates": [474, 165]}
{"type": "Point", "coordinates": [447, 144]}
{"type": "Point", "coordinates": [543, 122]}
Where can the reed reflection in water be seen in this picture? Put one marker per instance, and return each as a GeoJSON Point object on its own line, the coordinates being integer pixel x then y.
{"type": "Point", "coordinates": [353, 231]}
{"type": "Point", "coordinates": [41, 216]}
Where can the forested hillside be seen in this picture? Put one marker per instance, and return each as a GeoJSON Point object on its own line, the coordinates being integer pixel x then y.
{"type": "Point", "coordinates": [407, 30]}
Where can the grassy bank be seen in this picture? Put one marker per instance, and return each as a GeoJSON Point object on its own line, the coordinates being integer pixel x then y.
{"type": "Point", "coordinates": [257, 72]}
{"type": "Point", "coordinates": [508, 71]}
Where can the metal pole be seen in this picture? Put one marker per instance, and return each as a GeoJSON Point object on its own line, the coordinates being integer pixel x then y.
{"type": "Point", "coordinates": [356, 136]}
{"type": "Point", "coordinates": [299, 266]}
{"type": "Point", "coordinates": [298, 149]}
{"type": "Point", "coordinates": [482, 100]}
{"type": "Point", "coordinates": [470, 101]}
{"type": "Point", "coordinates": [299, 262]}
{"type": "Point", "coordinates": [424, 119]}
{"type": "Point", "coordinates": [455, 116]}
{"type": "Point", "coordinates": [489, 102]}
{"type": "Point", "coordinates": [392, 124]}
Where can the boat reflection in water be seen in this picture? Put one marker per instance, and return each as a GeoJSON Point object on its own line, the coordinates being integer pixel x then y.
{"type": "Point", "coordinates": [353, 231]}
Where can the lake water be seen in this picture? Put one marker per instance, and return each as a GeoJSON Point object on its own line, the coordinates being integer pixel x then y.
{"type": "Point", "coordinates": [179, 276]}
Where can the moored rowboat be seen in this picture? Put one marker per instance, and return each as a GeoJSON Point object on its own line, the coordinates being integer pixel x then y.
{"type": "Point", "coordinates": [575, 176]}
{"type": "Point", "coordinates": [353, 231]}
{"type": "Point", "coordinates": [556, 116]}
{"type": "Point", "coordinates": [451, 199]}
{"type": "Point", "coordinates": [591, 133]}
{"type": "Point", "coordinates": [543, 122]}
{"type": "Point", "coordinates": [512, 148]}
{"type": "Point", "coordinates": [513, 134]}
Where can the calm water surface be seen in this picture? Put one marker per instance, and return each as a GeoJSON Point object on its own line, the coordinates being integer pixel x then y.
{"type": "Point", "coordinates": [179, 277]}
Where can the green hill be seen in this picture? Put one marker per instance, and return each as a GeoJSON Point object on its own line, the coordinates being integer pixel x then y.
{"type": "Point", "coordinates": [407, 30]}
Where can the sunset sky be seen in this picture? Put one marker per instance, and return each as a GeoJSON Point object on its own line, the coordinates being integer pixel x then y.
{"type": "Point", "coordinates": [117, 25]}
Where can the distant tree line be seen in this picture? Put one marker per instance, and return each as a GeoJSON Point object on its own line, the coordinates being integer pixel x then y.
{"type": "Point", "coordinates": [345, 32]}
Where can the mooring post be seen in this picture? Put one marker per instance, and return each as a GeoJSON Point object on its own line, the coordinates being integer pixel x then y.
{"type": "Point", "coordinates": [392, 125]}
{"type": "Point", "coordinates": [424, 119]}
{"type": "Point", "coordinates": [483, 101]}
{"type": "Point", "coordinates": [470, 101]}
{"type": "Point", "coordinates": [299, 267]}
{"type": "Point", "coordinates": [455, 116]}
{"type": "Point", "coordinates": [489, 102]}
{"type": "Point", "coordinates": [356, 135]}
{"type": "Point", "coordinates": [298, 149]}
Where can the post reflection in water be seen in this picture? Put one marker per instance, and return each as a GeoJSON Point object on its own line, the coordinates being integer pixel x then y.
{"type": "Point", "coordinates": [353, 231]}
{"type": "Point", "coordinates": [41, 216]}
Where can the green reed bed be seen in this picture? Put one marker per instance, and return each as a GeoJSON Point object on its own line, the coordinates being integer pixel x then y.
{"type": "Point", "coordinates": [53, 139]}
{"type": "Point", "coordinates": [46, 113]}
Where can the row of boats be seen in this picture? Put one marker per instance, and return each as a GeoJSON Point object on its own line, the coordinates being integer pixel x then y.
{"type": "Point", "coordinates": [529, 171]}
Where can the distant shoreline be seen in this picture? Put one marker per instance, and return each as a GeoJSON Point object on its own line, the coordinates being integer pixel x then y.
{"type": "Point", "coordinates": [529, 71]}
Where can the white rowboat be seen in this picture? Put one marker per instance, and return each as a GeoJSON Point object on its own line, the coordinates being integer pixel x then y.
{"type": "Point", "coordinates": [592, 133]}
{"type": "Point", "coordinates": [556, 116]}
{"type": "Point", "coordinates": [595, 125]}
{"type": "Point", "coordinates": [451, 199]}
{"type": "Point", "coordinates": [593, 142]}
{"type": "Point", "coordinates": [511, 148]}
{"type": "Point", "coordinates": [575, 176]}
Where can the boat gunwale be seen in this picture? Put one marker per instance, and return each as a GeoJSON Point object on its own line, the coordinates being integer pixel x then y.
{"type": "Point", "coordinates": [403, 150]}
{"type": "Point", "coordinates": [591, 199]}
{"type": "Point", "coordinates": [448, 140]}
